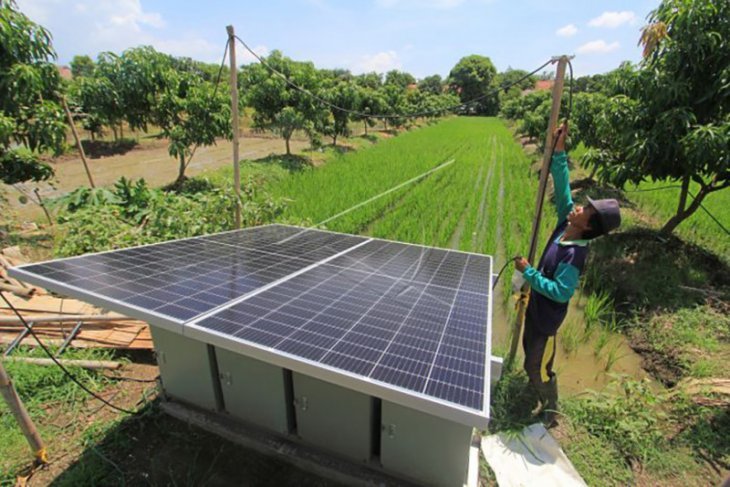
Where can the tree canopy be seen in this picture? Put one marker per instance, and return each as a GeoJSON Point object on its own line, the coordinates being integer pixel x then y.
{"type": "Point", "coordinates": [673, 122]}
{"type": "Point", "coordinates": [31, 118]}
{"type": "Point", "coordinates": [472, 79]}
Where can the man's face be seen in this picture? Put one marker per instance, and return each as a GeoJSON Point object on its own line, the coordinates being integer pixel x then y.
{"type": "Point", "coordinates": [580, 216]}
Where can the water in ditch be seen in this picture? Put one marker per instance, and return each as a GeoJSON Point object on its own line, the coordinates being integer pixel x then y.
{"type": "Point", "coordinates": [585, 360]}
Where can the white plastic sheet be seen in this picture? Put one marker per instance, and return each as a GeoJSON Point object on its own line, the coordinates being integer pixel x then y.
{"type": "Point", "coordinates": [529, 458]}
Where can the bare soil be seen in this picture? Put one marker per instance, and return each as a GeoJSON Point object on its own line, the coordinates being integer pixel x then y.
{"type": "Point", "coordinates": [149, 160]}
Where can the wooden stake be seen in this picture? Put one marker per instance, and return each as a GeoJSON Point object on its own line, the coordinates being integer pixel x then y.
{"type": "Point", "coordinates": [21, 416]}
{"type": "Point", "coordinates": [544, 172]}
{"type": "Point", "coordinates": [234, 120]}
{"type": "Point", "coordinates": [78, 141]}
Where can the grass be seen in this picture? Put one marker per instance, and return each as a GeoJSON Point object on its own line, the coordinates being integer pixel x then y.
{"type": "Point", "coordinates": [700, 228]}
{"type": "Point", "coordinates": [52, 401]}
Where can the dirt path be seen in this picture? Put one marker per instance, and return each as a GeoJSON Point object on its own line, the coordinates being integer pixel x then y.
{"type": "Point", "coordinates": [149, 161]}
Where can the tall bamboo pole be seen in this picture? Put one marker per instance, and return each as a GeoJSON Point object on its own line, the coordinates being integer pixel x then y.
{"type": "Point", "coordinates": [21, 416]}
{"type": "Point", "coordinates": [234, 120]}
{"type": "Point", "coordinates": [78, 141]}
{"type": "Point", "coordinates": [547, 155]}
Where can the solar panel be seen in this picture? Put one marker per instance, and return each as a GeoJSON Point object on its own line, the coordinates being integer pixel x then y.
{"type": "Point", "coordinates": [401, 317]}
{"type": "Point", "coordinates": [173, 282]}
{"type": "Point", "coordinates": [402, 322]}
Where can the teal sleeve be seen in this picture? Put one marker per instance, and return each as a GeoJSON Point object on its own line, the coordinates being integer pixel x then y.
{"type": "Point", "coordinates": [560, 288]}
{"type": "Point", "coordinates": [561, 181]}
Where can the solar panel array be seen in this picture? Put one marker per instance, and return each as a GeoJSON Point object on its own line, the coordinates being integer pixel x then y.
{"type": "Point", "coordinates": [407, 317]}
{"type": "Point", "coordinates": [183, 279]}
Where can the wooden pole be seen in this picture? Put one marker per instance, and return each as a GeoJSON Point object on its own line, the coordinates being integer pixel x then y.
{"type": "Point", "coordinates": [13, 320]}
{"type": "Point", "coordinates": [544, 172]}
{"type": "Point", "coordinates": [234, 120]}
{"type": "Point", "coordinates": [84, 364]}
{"type": "Point", "coordinates": [78, 141]}
{"type": "Point", "coordinates": [21, 416]}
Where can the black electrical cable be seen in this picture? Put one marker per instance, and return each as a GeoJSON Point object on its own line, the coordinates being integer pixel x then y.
{"type": "Point", "coordinates": [220, 68]}
{"type": "Point", "coordinates": [68, 374]}
{"type": "Point", "coordinates": [499, 274]}
{"type": "Point", "coordinates": [263, 62]}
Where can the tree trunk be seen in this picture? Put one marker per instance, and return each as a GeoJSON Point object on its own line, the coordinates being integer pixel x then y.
{"type": "Point", "coordinates": [121, 130]}
{"type": "Point", "coordinates": [181, 171]}
{"type": "Point", "coordinates": [683, 195]}
{"type": "Point", "coordinates": [334, 140]}
{"type": "Point", "coordinates": [114, 130]}
{"type": "Point", "coordinates": [288, 150]}
{"type": "Point", "coordinates": [682, 212]}
{"type": "Point", "coordinates": [366, 127]}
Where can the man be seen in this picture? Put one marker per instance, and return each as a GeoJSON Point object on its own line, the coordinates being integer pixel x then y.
{"type": "Point", "coordinates": [554, 280]}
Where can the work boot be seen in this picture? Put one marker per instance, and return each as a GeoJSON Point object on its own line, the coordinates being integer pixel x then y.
{"type": "Point", "coordinates": [550, 411]}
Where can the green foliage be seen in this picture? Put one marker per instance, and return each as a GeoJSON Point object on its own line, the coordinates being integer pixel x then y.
{"type": "Point", "coordinates": [343, 94]}
{"type": "Point", "coordinates": [19, 165]}
{"type": "Point", "coordinates": [656, 199]}
{"type": "Point", "coordinates": [473, 79]}
{"type": "Point", "coordinates": [673, 125]}
{"type": "Point", "coordinates": [30, 115]}
{"type": "Point", "coordinates": [682, 334]}
{"type": "Point", "coordinates": [278, 106]}
{"type": "Point", "coordinates": [704, 429]}
{"type": "Point", "coordinates": [47, 394]}
{"type": "Point", "coordinates": [433, 85]}
{"type": "Point", "coordinates": [134, 214]}
{"type": "Point", "coordinates": [598, 310]}
{"type": "Point", "coordinates": [82, 66]}
{"type": "Point", "coordinates": [643, 272]}
{"type": "Point", "coordinates": [629, 417]}
{"type": "Point", "coordinates": [597, 460]}
{"type": "Point", "coordinates": [191, 113]}
{"type": "Point", "coordinates": [399, 79]}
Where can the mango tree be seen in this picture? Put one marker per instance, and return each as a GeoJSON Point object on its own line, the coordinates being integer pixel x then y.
{"type": "Point", "coordinates": [278, 106]}
{"type": "Point", "coordinates": [345, 95]}
{"type": "Point", "coordinates": [190, 113]}
{"type": "Point", "coordinates": [473, 80]}
{"type": "Point", "coordinates": [674, 125]}
{"type": "Point", "coordinates": [31, 118]}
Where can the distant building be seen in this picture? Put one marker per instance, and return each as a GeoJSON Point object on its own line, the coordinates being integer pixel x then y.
{"type": "Point", "coordinates": [540, 85]}
{"type": "Point", "coordinates": [65, 72]}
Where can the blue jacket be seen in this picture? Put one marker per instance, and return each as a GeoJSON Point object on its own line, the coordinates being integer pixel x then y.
{"type": "Point", "coordinates": [556, 277]}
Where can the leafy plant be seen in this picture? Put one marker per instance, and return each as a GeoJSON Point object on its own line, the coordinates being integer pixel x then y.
{"type": "Point", "coordinates": [628, 415]}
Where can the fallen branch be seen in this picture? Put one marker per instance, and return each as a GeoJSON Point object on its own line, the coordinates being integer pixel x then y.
{"type": "Point", "coordinates": [86, 364]}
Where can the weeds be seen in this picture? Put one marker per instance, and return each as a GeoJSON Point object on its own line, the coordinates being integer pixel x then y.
{"type": "Point", "coordinates": [597, 310]}
{"type": "Point", "coordinates": [571, 336]}
{"type": "Point", "coordinates": [627, 417]}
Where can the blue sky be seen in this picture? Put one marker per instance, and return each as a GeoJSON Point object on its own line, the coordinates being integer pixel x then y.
{"type": "Point", "coordinates": [422, 37]}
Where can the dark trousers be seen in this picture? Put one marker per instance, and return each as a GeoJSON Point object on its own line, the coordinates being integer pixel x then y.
{"type": "Point", "coordinates": [539, 354]}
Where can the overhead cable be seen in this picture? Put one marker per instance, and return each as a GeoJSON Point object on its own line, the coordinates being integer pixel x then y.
{"type": "Point", "coordinates": [358, 113]}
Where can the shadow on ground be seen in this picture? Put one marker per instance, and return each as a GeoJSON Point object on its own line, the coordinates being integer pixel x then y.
{"type": "Point", "coordinates": [291, 162]}
{"type": "Point", "coordinates": [645, 271]}
{"type": "Point", "coordinates": [152, 448]}
{"type": "Point", "coordinates": [96, 149]}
